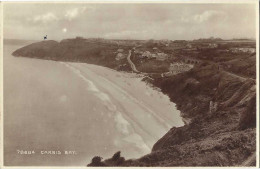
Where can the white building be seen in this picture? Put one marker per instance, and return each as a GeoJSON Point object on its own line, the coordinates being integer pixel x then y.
{"type": "Point", "coordinates": [146, 54]}
{"type": "Point", "coordinates": [120, 50]}
{"type": "Point", "coordinates": [120, 56]}
{"type": "Point", "coordinates": [161, 56]}
{"type": "Point", "coordinates": [176, 68]}
{"type": "Point", "coordinates": [189, 45]}
{"type": "Point", "coordinates": [213, 45]}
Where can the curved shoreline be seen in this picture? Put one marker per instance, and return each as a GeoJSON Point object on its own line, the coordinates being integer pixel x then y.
{"type": "Point", "coordinates": [213, 130]}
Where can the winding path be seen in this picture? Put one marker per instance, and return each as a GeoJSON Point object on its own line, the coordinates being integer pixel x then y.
{"type": "Point", "coordinates": [249, 161]}
{"type": "Point", "coordinates": [131, 63]}
{"type": "Point", "coordinates": [241, 78]}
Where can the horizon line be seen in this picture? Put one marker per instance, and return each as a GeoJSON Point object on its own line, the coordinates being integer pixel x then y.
{"type": "Point", "coordinates": [244, 38]}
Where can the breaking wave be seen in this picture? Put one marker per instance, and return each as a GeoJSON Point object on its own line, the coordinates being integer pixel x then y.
{"type": "Point", "coordinates": [122, 125]}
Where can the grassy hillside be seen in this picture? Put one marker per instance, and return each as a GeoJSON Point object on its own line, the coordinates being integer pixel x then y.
{"type": "Point", "coordinates": [225, 136]}
{"type": "Point", "coordinates": [75, 50]}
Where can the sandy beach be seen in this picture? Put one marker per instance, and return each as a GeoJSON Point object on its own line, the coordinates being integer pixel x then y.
{"type": "Point", "coordinates": [79, 107]}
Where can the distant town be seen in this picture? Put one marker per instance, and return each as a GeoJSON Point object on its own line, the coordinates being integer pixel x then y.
{"type": "Point", "coordinates": [172, 57]}
{"type": "Point", "coordinates": [155, 57]}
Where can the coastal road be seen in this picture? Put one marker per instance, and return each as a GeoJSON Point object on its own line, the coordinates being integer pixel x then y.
{"type": "Point", "coordinates": [131, 63]}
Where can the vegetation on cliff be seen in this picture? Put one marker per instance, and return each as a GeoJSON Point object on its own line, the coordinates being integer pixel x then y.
{"type": "Point", "coordinates": [223, 136]}
{"type": "Point", "coordinates": [75, 50]}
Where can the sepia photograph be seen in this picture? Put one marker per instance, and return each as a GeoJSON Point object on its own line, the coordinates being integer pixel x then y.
{"type": "Point", "coordinates": [140, 84]}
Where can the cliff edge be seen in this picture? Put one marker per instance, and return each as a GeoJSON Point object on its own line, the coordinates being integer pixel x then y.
{"type": "Point", "coordinates": [220, 112]}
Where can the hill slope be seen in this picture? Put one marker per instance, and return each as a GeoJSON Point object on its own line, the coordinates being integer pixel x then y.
{"type": "Point", "coordinates": [222, 134]}
{"type": "Point", "coordinates": [76, 50]}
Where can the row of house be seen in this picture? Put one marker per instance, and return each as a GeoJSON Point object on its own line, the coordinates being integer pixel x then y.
{"type": "Point", "coordinates": [205, 46]}
{"type": "Point", "coordinates": [193, 47]}
{"type": "Point", "coordinates": [157, 55]}
{"type": "Point", "coordinates": [190, 60]}
{"type": "Point", "coordinates": [245, 50]}
{"type": "Point", "coordinates": [176, 68]}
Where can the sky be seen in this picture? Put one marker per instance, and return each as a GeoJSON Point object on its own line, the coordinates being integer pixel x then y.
{"type": "Point", "coordinates": [128, 21]}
